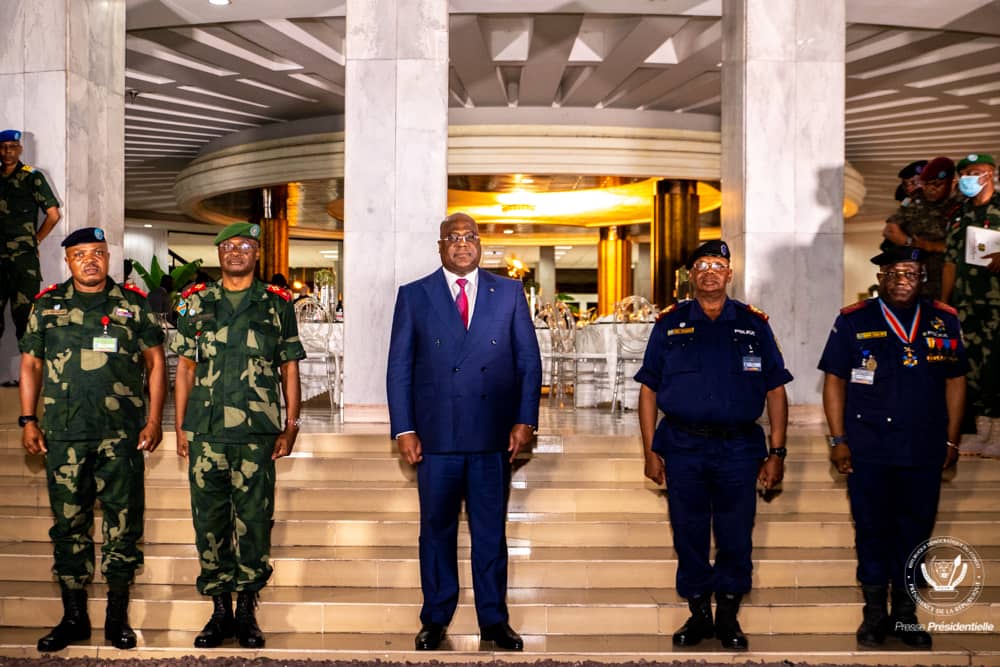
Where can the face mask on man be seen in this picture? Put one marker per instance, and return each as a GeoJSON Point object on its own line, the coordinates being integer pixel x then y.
{"type": "Point", "coordinates": [970, 185]}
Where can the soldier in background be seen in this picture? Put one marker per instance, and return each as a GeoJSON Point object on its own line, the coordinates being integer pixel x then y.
{"type": "Point", "coordinates": [924, 222]}
{"type": "Point", "coordinates": [971, 283]}
{"type": "Point", "coordinates": [236, 340]}
{"type": "Point", "coordinates": [23, 191]}
{"type": "Point", "coordinates": [87, 343]}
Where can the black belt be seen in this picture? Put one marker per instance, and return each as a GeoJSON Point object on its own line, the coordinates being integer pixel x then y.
{"type": "Point", "coordinates": [716, 431]}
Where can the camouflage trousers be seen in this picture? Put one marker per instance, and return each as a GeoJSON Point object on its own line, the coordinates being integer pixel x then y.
{"type": "Point", "coordinates": [981, 330]}
{"type": "Point", "coordinates": [80, 472]}
{"type": "Point", "coordinates": [232, 503]}
{"type": "Point", "coordinates": [20, 278]}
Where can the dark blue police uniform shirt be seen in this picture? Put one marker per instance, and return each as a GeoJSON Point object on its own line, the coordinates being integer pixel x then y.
{"type": "Point", "coordinates": [712, 372]}
{"type": "Point", "coordinates": [901, 418]}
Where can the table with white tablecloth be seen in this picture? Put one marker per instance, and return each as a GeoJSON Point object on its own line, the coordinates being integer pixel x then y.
{"type": "Point", "coordinates": [324, 344]}
{"type": "Point", "coordinates": [597, 349]}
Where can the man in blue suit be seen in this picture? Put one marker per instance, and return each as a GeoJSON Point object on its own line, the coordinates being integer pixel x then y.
{"type": "Point", "coordinates": [463, 384]}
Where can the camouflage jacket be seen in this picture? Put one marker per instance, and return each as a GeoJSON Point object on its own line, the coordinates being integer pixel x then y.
{"type": "Point", "coordinates": [973, 284]}
{"type": "Point", "coordinates": [237, 357]}
{"type": "Point", "coordinates": [22, 194]}
{"type": "Point", "coordinates": [89, 393]}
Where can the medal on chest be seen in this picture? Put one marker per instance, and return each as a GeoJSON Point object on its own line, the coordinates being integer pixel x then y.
{"type": "Point", "coordinates": [907, 336]}
{"type": "Point", "coordinates": [104, 342]}
{"type": "Point", "coordinates": [865, 374]}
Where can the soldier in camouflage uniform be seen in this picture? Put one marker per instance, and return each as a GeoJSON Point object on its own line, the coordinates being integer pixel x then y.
{"type": "Point", "coordinates": [23, 191]}
{"type": "Point", "coordinates": [236, 340]}
{"type": "Point", "coordinates": [974, 289]}
{"type": "Point", "coordinates": [85, 349]}
{"type": "Point", "coordinates": [923, 223]}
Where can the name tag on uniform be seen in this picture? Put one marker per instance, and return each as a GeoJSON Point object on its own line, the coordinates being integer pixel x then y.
{"type": "Point", "coordinates": [105, 344]}
{"type": "Point", "coordinates": [682, 330]}
{"type": "Point", "coordinates": [865, 335]}
{"type": "Point", "coordinates": [55, 311]}
{"type": "Point", "coordinates": [862, 376]}
{"type": "Point", "coordinates": [752, 364]}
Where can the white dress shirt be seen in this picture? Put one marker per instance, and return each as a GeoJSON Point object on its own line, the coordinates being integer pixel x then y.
{"type": "Point", "coordinates": [470, 287]}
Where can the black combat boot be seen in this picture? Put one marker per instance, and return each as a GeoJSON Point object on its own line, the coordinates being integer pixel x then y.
{"type": "Point", "coordinates": [247, 631]}
{"type": "Point", "coordinates": [221, 625]}
{"type": "Point", "coordinates": [903, 621]}
{"type": "Point", "coordinates": [699, 626]}
{"type": "Point", "coordinates": [116, 627]}
{"type": "Point", "coordinates": [875, 616]}
{"type": "Point", "coordinates": [74, 626]}
{"type": "Point", "coordinates": [727, 628]}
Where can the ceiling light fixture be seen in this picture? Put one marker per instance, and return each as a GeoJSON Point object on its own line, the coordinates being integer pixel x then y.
{"type": "Point", "coordinates": [220, 3]}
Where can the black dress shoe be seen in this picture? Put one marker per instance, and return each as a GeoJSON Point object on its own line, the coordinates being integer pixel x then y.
{"type": "Point", "coordinates": [430, 636]}
{"type": "Point", "coordinates": [502, 636]}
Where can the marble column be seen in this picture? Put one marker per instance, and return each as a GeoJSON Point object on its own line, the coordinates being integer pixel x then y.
{"type": "Point", "coordinates": [395, 176]}
{"type": "Point", "coordinates": [642, 276]}
{"type": "Point", "coordinates": [614, 268]}
{"type": "Point", "coordinates": [62, 73]}
{"type": "Point", "coordinates": [673, 234]}
{"type": "Point", "coordinates": [783, 169]}
{"type": "Point", "coordinates": [546, 274]}
{"type": "Point", "coordinates": [271, 212]}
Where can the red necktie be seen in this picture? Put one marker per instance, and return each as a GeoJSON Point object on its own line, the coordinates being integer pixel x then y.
{"type": "Point", "coordinates": [462, 301]}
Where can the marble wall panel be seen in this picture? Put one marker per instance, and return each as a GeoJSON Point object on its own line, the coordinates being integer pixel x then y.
{"type": "Point", "coordinates": [782, 170]}
{"type": "Point", "coordinates": [12, 49]}
{"type": "Point", "coordinates": [430, 42]}
{"type": "Point", "coordinates": [371, 29]}
{"type": "Point", "coordinates": [12, 101]}
{"type": "Point", "coordinates": [45, 43]}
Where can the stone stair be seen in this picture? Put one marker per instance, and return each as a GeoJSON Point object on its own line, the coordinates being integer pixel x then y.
{"type": "Point", "coordinates": [592, 567]}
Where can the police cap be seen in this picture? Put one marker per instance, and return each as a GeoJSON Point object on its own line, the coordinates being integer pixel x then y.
{"type": "Point", "coordinates": [912, 169]}
{"type": "Point", "coordinates": [897, 253]}
{"type": "Point", "coordinates": [247, 230]}
{"type": "Point", "coordinates": [976, 158]}
{"type": "Point", "coordinates": [940, 168]}
{"type": "Point", "coordinates": [85, 235]}
{"type": "Point", "coordinates": [10, 135]}
{"type": "Point", "coordinates": [715, 248]}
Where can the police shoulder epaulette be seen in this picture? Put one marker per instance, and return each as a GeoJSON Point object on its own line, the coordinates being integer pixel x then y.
{"type": "Point", "coordinates": [194, 289]}
{"type": "Point", "coordinates": [280, 291]}
{"type": "Point", "coordinates": [666, 311]}
{"type": "Point", "coordinates": [47, 290]}
{"type": "Point", "coordinates": [941, 305]}
{"type": "Point", "coordinates": [757, 311]}
{"type": "Point", "coordinates": [854, 306]}
{"type": "Point", "coordinates": [132, 287]}
{"type": "Point", "coordinates": [28, 169]}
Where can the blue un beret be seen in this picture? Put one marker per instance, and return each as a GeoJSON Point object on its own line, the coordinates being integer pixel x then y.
{"type": "Point", "coordinates": [10, 135]}
{"type": "Point", "coordinates": [85, 235]}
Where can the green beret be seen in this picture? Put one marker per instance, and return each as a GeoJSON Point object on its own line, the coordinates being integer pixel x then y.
{"type": "Point", "coordinates": [975, 158]}
{"type": "Point", "coordinates": [249, 230]}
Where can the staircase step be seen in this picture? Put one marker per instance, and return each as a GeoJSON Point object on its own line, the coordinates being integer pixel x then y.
{"type": "Point", "coordinates": [543, 567]}
{"type": "Point", "coordinates": [533, 610]}
{"type": "Point", "coordinates": [328, 528]}
{"type": "Point", "coordinates": [368, 466]}
{"type": "Point", "coordinates": [821, 649]}
{"type": "Point", "coordinates": [567, 497]}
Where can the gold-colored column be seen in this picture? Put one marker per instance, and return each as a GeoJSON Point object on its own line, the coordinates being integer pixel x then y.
{"type": "Point", "coordinates": [270, 211]}
{"type": "Point", "coordinates": [674, 235]}
{"type": "Point", "coordinates": [614, 268]}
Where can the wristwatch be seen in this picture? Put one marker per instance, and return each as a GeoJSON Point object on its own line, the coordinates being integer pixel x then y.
{"type": "Point", "coordinates": [834, 440]}
{"type": "Point", "coordinates": [294, 422]}
{"type": "Point", "coordinates": [24, 420]}
{"type": "Point", "coordinates": [780, 452]}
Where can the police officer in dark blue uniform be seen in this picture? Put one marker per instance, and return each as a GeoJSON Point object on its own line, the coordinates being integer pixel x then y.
{"type": "Point", "coordinates": [893, 394]}
{"type": "Point", "coordinates": [710, 365]}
